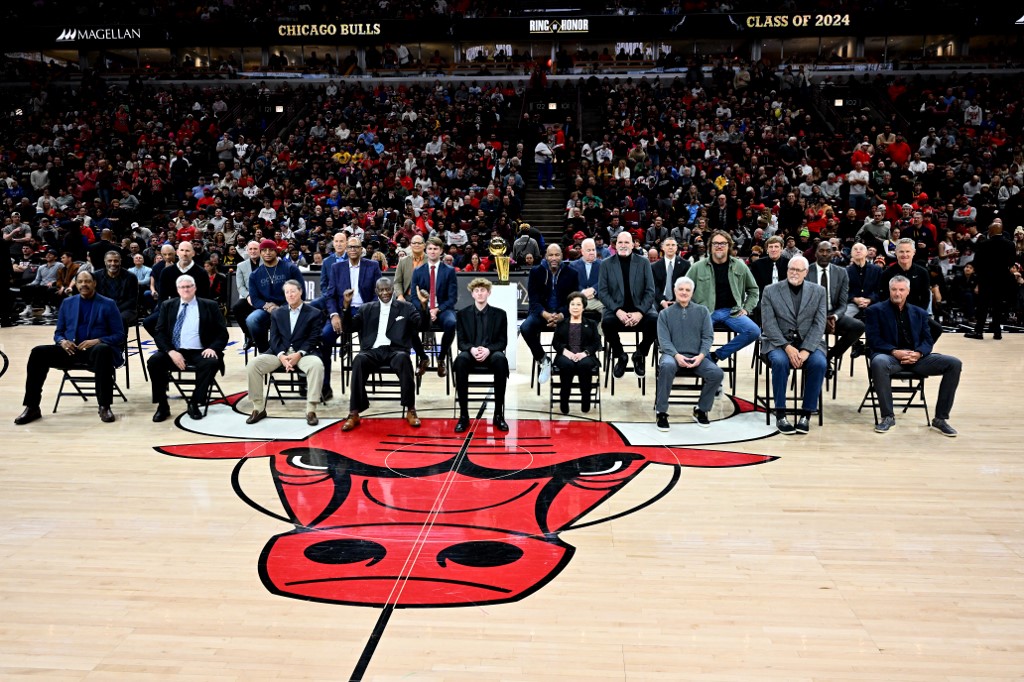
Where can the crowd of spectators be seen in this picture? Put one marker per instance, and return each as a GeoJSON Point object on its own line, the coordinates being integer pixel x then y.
{"type": "Point", "coordinates": [741, 149]}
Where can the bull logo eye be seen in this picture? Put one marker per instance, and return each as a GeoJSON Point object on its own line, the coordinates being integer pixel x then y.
{"type": "Point", "coordinates": [314, 460]}
{"type": "Point", "coordinates": [480, 554]}
{"type": "Point", "coordinates": [600, 465]}
{"type": "Point", "coordinates": [346, 552]}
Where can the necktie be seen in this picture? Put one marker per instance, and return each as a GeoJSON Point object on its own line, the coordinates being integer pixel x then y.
{"type": "Point", "coordinates": [668, 281]}
{"type": "Point", "coordinates": [433, 286]}
{"type": "Point", "coordinates": [824, 283]}
{"type": "Point", "coordinates": [178, 324]}
{"type": "Point", "coordinates": [775, 273]}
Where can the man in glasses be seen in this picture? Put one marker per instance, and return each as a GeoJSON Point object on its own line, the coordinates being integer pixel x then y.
{"type": "Point", "coordinates": [726, 287]}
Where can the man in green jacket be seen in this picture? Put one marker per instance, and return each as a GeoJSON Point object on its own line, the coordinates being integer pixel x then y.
{"type": "Point", "coordinates": [727, 288]}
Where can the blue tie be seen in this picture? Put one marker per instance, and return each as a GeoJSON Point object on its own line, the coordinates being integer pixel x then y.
{"type": "Point", "coordinates": [178, 324]}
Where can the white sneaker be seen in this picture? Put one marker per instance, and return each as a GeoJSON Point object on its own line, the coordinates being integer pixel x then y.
{"type": "Point", "coordinates": [27, 312]}
{"type": "Point", "coordinates": [545, 371]}
{"type": "Point", "coordinates": [48, 311]}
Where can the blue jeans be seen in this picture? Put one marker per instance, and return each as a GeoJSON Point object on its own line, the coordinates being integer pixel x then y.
{"type": "Point", "coordinates": [746, 330]}
{"type": "Point", "coordinates": [545, 171]}
{"type": "Point", "coordinates": [530, 330]}
{"type": "Point", "coordinates": [258, 324]}
{"type": "Point", "coordinates": [814, 375]}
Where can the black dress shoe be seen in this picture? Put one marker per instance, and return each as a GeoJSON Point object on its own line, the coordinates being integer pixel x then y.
{"type": "Point", "coordinates": [463, 424]}
{"type": "Point", "coordinates": [499, 422]}
{"type": "Point", "coordinates": [29, 415]}
{"type": "Point", "coordinates": [106, 415]}
{"type": "Point", "coordinates": [619, 369]}
{"type": "Point", "coordinates": [194, 412]}
{"type": "Point", "coordinates": [973, 335]}
{"type": "Point", "coordinates": [639, 364]}
{"type": "Point", "coordinates": [326, 394]}
{"type": "Point", "coordinates": [162, 413]}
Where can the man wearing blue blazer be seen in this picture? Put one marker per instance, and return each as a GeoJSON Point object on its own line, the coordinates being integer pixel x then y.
{"type": "Point", "coordinates": [439, 282]}
{"type": "Point", "coordinates": [89, 334]}
{"type": "Point", "coordinates": [358, 274]}
{"type": "Point", "coordinates": [588, 271]}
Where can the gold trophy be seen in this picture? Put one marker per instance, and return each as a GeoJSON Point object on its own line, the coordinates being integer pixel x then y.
{"type": "Point", "coordinates": [501, 261]}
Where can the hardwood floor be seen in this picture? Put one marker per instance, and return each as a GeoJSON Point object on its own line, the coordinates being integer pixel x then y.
{"type": "Point", "coordinates": [850, 556]}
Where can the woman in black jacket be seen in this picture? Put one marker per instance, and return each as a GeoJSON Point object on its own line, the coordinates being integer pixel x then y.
{"type": "Point", "coordinates": [576, 344]}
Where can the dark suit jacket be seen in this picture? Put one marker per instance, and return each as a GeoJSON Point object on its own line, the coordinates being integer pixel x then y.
{"type": "Point", "coordinates": [778, 317]}
{"type": "Point", "coordinates": [762, 270]}
{"type": "Point", "coordinates": [660, 273]}
{"type": "Point", "coordinates": [104, 324]}
{"type": "Point", "coordinates": [882, 335]}
{"type": "Point", "coordinates": [124, 290]}
{"type": "Point", "coordinates": [641, 284]}
{"type": "Point", "coordinates": [538, 288]}
{"type": "Point", "coordinates": [169, 281]}
{"type": "Point", "coordinates": [866, 285]}
{"type": "Point", "coordinates": [446, 285]}
{"type": "Point", "coordinates": [838, 287]}
{"type": "Point", "coordinates": [590, 338]}
{"type": "Point", "coordinates": [213, 333]}
{"type": "Point", "coordinates": [496, 321]}
{"type": "Point", "coordinates": [340, 280]}
{"type": "Point", "coordinates": [581, 273]}
{"type": "Point", "coordinates": [306, 335]}
{"type": "Point", "coordinates": [403, 323]}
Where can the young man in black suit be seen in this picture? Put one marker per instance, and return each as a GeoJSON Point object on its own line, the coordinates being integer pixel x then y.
{"type": "Point", "coordinates": [294, 344]}
{"type": "Point", "coordinates": [482, 332]}
{"type": "Point", "coordinates": [189, 331]}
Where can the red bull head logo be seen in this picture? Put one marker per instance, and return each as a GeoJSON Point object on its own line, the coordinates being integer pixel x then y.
{"type": "Point", "coordinates": [388, 515]}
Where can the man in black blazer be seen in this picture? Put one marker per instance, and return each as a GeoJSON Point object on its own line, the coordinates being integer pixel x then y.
{"type": "Point", "coordinates": [628, 303]}
{"type": "Point", "coordinates": [120, 286]}
{"type": "Point", "coordinates": [189, 331]}
{"type": "Point", "coordinates": [864, 278]}
{"type": "Point", "coordinates": [837, 284]}
{"type": "Point", "coordinates": [386, 328]}
{"type": "Point", "coordinates": [666, 271]}
{"type": "Point", "coordinates": [294, 344]}
{"type": "Point", "coordinates": [482, 332]}
{"type": "Point", "coordinates": [771, 267]}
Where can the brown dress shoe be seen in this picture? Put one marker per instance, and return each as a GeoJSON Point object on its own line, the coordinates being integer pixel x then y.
{"type": "Point", "coordinates": [442, 368]}
{"type": "Point", "coordinates": [106, 416]}
{"type": "Point", "coordinates": [257, 415]}
{"type": "Point", "coordinates": [29, 415]}
{"type": "Point", "coordinates": [410, 416]}
{"type": "Point", "coordinates": [311, 419]}
{"type": "Point", "coordinates": [423, 365]}
{"type": "Point", "coordinates": [350, 423]}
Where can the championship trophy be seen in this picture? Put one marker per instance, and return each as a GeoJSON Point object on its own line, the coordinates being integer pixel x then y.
{"type": "Point", "coordinates": [501, 261]}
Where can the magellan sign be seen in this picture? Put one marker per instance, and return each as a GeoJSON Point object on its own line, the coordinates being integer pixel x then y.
{"type": "Point", "coordinates": [318, 30]}
{"type": "Point", "coordinates": [68, 35]}
{"type": "Point", "coordinates": [559, 26]}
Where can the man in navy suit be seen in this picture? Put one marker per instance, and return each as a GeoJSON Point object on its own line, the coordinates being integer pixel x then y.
{"type": "Point", "coordinates": [548, 288]}
{"type": "Point", "coordinates": [198, 338]}
{"type": "Point", "coordinates": [439, 282]}
{"type": "Point", "coordinates": [90, 334]}
{"type": "Point", "coordinates": [900, 339]}
{"type": "Point", "coordinates": [294, 344]}
{"type": "Point", "coordinates": [353, 273]}
{"type": "Point", "coordinates": [588, 271]}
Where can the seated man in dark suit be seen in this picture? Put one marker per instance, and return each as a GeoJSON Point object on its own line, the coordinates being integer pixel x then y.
{"type": "Point", "coordinates": [120, 286]}
{"type": "Point", "coordinates": [189, 331]}
{"type": "Point", "coordinates": [439, 281]}
{"type": "Point", "coordinates": [899, 338]}
{"type": "Point", "coordinates": [768, 269]}
{"type": "Point", "coordinates": [295, 343]}
{"type": "Point", "coordinates": [482, 332]}
{"type": "Point", "coordinates": [90, 334]}
{"type": "Point", "coordinates": [626, 288]}
{"type": "Point", "coordinates": [666, 271]}
{"type": "Point", "coordinates": [386, 328]}
{"type": "Point", "coordinates": [548, 288]}
{"type": "Point", "coordinates": [588, 271]}
{"type": "Point", "coordinates": [864, 279]}
{"type": "Point", "coordinates": [836, 283]}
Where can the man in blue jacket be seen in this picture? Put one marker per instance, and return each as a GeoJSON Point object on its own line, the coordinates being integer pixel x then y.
{"type": "Point", "coordinates": [439, 282]}
{"type": "Point", "coordinates": [900, 339]}
{"type": "Point", "coordinates": [548, 288]}
{"type": "Point", "coordinates": [266, 292]}
{"type": "Point", "coordinates": [89, 334]}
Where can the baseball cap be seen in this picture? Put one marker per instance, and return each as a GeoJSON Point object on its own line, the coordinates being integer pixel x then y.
{"type": "Point", "coordinates": [135, 226]}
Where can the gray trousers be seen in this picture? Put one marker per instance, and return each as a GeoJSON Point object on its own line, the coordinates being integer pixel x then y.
{"type": "Point", "coordinates": [884, 366]}
{"type": "Point", "coordinates": [711, 373]}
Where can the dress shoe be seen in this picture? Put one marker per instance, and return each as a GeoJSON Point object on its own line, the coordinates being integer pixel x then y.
{"type": "Point", "coordinates": [350, 423]}
{"type": "Point", "coordinates": [619, 368]}
{"type": "Point", "coordinates": [858, 349]}
{"type": "Point", "coordinates": [424, 364]}
{"type": "Point", "coordinates": [639, 364]}
{"type": "Point", "coordinates": [973, 335]}
{"type": "Point", "coordinates": [563, 403]}
{"type": "Point", "coordinates": [29, 415]}
{"type": "Point", "coordinates": [411, 418]}
{"type": "Point", "coordinates": [997, 336]}
{"type": "Point", "coordinates": [463, 425]}
{"type": "Point", "coordinates": [195, 413]}
{"type": "Point", "coordinates": [162, 413]}
{"type": "Point", "coordinates": [106, 416]}
{"type": "Point", "coordinates": [585, 403]}
{"type": "Point", "coordinates": [442, 368]}
{"type": "Point", "coordinates": [257, 415]}
{"type": "Point", "coordinates": [311, 419]}
{"type": "Point", "coordinates": [499, 423]}
{"type": "Point", "coordinates": [327, 394]}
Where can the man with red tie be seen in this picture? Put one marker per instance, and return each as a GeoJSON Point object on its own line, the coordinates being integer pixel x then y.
{"type": "Point", "coordinates": [440, 280]}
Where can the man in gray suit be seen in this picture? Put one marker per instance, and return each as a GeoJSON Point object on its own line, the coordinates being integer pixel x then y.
{"type": "Point", "coordinates": [836, 282]}
{"type": "Point", "coordinates": [685, 335]}
{"type": "Point", "coordinates": [793, 323]}
{"type": "Point", "coordinates": [626, 288]}
{"type": "Point", "coordinates": [588, 271]}
{"type": "Point", "coordinates": [386, 329]}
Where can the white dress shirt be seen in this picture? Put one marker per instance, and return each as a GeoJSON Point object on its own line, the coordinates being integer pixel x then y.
{"type": "Point", "coordinates": [382, 325]}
